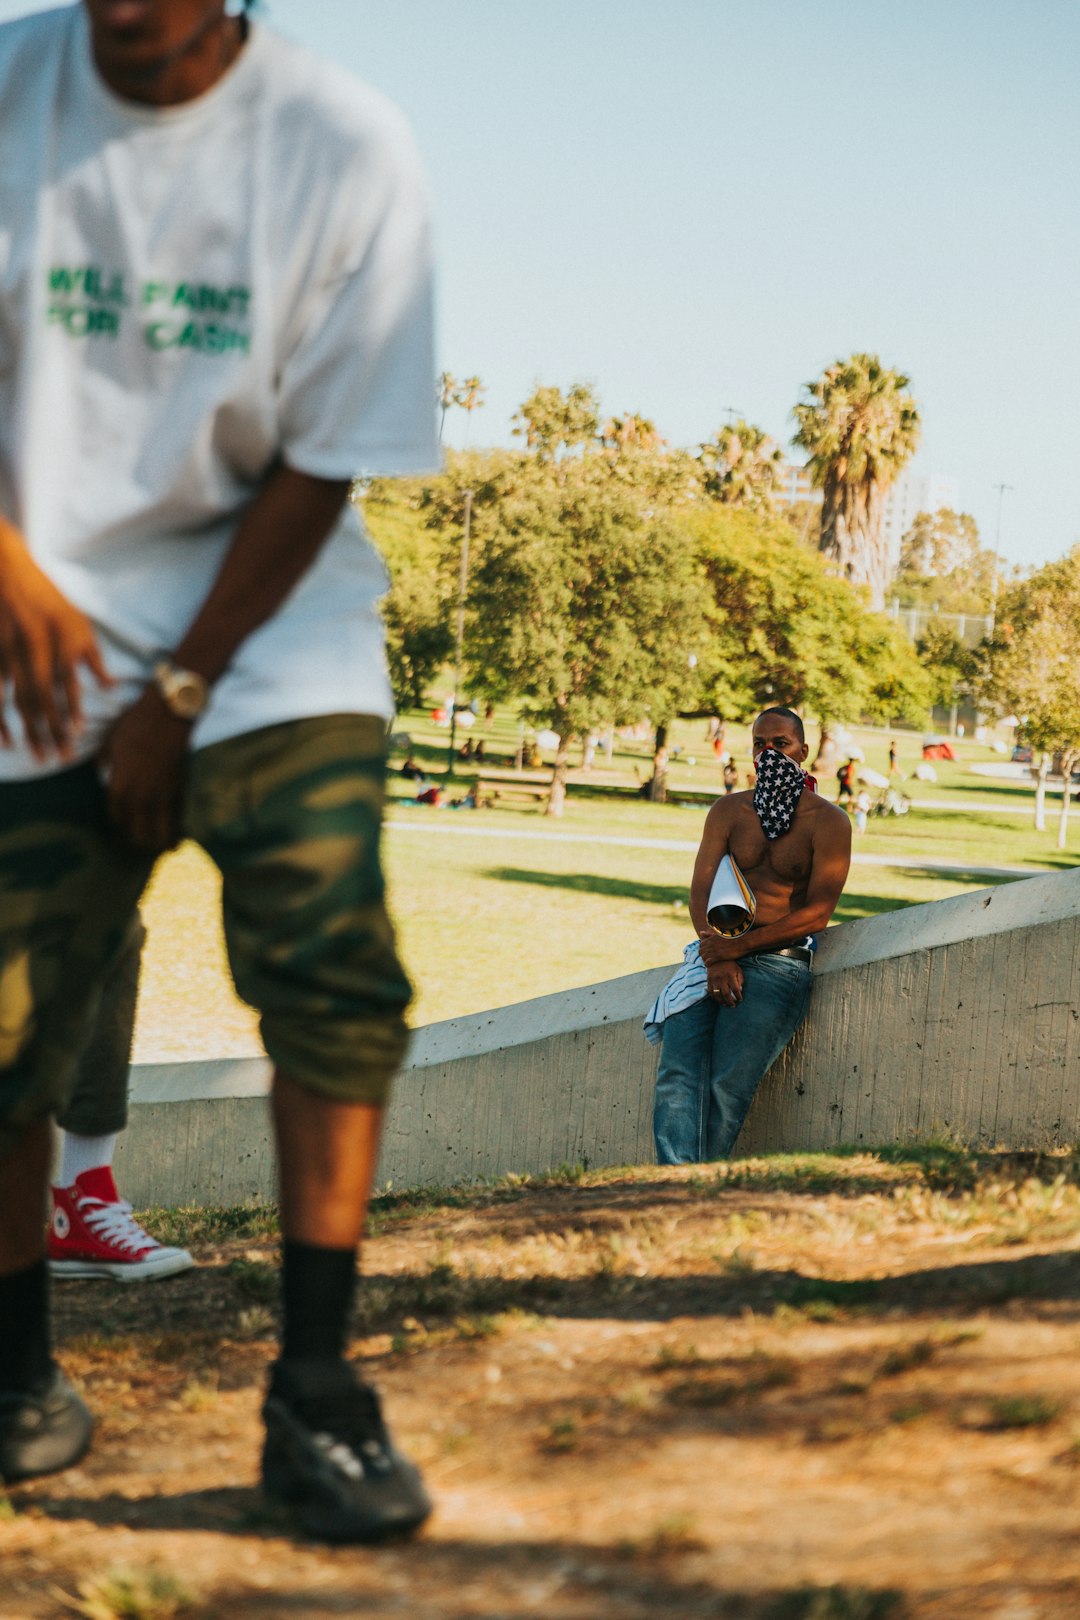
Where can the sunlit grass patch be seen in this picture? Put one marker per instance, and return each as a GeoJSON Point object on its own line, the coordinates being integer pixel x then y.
{"type": "Point", "coordinates": [191, 1226]}
{"type": "Point", "coordinates": [254, 1322]}
{"type": "Point", "coordinates": [129, 1594]}
{"type": "Point", "coordinates": [199, 1393]}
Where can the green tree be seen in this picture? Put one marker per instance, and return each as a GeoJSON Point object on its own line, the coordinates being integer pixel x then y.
{"type": "Point", "coordinates": [741, 466]}
{"type": "Point", "coordinates": [943, 565]}
{"type": "Point", "coordinates": [939, 542]}
{"type": "Point", "coordinates": [803, 518]}
{"type": "Point", "coordinates": [858, 425]}
{"type": "Point", "coordinates": [629, 432]}
{"type": "Point", "coordinates": [417, 608]}
{"type": "Point", "coordinates": [1032, 665]}
{"type": "Point", "coordinates": [784, 630]}
{"type": "Point", "coordinates": [950, 666]}
{"type": "Point", "coordinates": [552, 422]}
{"type": "Point", "coordinates": [584, 605]}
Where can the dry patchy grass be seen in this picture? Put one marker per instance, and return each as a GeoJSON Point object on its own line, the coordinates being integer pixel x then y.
{"type": "Point", "coordinates": [828, 1388]}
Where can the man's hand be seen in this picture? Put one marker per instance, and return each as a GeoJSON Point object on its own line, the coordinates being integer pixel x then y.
{"type": "Point", "coordinates": [726, 983]}
{"type": "Point", "coordinates": [44, 639]}
{"type": "Point", "coordinates": [276, 541]}
{"type": "Point", "coordinates": [144, 756]}
{"type": "Point", "coordinates": [716, 948]}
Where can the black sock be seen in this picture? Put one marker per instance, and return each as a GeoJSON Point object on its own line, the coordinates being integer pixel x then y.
{"type": "Point", "coordinates": [25, 1362]}
{"type": "Point", "coordinates": [317, 1296]}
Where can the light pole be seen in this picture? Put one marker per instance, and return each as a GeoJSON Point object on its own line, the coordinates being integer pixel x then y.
{"type": "Point", "coordinates": [1001, 488]}
{"type": "Point", "coordinates": [462, 580]}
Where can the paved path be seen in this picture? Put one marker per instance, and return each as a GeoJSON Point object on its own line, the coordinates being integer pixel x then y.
{"type": "Point", "coordinates": [927, 863]}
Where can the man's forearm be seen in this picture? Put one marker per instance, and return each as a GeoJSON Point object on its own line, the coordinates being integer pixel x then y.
{"type": "Point", "coordinates": [276, 542]}
{"type": "Point", "coordinates": [785, 930]}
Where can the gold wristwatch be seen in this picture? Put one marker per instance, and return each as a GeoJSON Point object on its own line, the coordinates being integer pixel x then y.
{"type": "Point", "coordinates": [185, 693]}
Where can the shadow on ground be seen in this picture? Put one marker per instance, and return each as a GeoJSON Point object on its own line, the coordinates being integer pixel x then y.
{"type": "Point", "coordinates": [659, 894]}
{"type": "Point", "coordinates": [662, 1579]}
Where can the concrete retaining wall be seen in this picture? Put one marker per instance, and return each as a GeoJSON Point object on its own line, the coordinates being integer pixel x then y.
{"type": "Point", "coordinates": [958, 1017]}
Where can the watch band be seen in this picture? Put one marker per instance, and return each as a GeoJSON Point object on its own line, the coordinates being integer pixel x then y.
{"type": "Point", "coordinates": [185, 693]}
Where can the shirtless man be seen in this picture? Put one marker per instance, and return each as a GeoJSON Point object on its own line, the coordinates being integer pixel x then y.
{"type": "Point", "coordinates": [736, 1002]}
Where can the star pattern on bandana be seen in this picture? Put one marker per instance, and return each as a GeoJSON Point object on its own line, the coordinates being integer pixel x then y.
{"type": "Point", "coordinates": [779, 787]}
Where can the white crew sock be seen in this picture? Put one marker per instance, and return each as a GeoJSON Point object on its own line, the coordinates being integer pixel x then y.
{"type": "Point", "coordinates": [79, 1153]}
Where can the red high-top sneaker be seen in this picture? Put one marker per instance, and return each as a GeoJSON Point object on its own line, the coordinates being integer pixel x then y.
{"type": "Point", "coordinates": [94, 1234]}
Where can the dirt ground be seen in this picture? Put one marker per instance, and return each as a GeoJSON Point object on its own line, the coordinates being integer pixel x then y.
{"type": "Point", "coordinates": [808, 1388]}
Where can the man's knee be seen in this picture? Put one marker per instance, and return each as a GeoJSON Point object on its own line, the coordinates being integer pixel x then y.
{"type": "Point", "coordinates": [310, 942]}
{"type": "Point", "coordinates": [344, 1058]}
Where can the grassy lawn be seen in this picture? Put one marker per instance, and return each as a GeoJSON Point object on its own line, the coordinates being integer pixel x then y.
{"type": "Point", "coordinates": [501, 905]}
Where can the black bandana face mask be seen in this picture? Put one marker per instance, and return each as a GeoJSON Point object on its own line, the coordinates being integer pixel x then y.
{"type": "Point", "coordinates": [779, 787]}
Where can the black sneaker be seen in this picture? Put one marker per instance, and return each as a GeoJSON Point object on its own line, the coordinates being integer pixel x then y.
{"type": "Point", "coordinates": [44, 1431]}
{"type": "Point", "coordinates": [328, 1454]}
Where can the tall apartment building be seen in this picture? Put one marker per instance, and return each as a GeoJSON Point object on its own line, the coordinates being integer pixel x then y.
{"type": "Point", "coordinates": [916, 491]}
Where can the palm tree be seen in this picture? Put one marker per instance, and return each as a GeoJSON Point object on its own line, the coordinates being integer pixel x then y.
{"type": "Point", "coordinates": [470, 396]}
{"type": "Point", "coordinates": [742, 466]}
{"type": "Point", "coordinates": [859, 427]}
{"type": "Point", "coordinates": [446, 394]}
{"type": "Point", "coordinates": [630, 432]}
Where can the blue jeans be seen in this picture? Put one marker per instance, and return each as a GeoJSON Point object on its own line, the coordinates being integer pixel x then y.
{"type": "Point", "coordinates": [713, 1058]}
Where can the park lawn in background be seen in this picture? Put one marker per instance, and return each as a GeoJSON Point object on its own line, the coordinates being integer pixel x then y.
{"type": "Point", "coordinates": [497, 906]}
{"type": "Point", "coordinates": [632, 760]}
{"type": "Point", "coordinates": [484, 921]}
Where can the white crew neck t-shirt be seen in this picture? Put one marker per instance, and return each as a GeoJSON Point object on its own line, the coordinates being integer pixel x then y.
{"type": "Point", "coordinates": [188, 295]}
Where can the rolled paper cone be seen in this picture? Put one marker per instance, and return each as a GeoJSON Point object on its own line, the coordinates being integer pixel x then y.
{"type": "Point", "coordinates": [732, 906]}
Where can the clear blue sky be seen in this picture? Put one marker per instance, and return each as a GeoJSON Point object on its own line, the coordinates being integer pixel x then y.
{"type": "Point", "coordinates": [697, 205]}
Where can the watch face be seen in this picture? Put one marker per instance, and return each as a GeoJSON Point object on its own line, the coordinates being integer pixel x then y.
{"type": "Point", "coordinates": [188, 696]}
{"type": "Point", "coordinates": [185, 693]}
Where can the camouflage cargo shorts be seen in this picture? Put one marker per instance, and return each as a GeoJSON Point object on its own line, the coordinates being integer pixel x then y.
{"type": "Point", "coordinates": [291, 815]}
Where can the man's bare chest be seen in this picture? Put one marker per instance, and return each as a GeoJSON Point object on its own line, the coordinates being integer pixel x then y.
{"type": "Point", "coordinates": [787, 859]}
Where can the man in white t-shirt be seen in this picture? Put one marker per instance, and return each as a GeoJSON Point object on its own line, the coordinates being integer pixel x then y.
{"type": "Point", "coordinates": [215, 312]}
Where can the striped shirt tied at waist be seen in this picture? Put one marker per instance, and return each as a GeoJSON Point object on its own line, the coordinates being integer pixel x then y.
{"type": "Point", "coordinates": [689, 984]}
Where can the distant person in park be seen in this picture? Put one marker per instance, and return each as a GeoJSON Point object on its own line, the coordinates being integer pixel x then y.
{"type": "Point", "coordinates": [893, 756]}
{"type": "Point", "coordinates": [92, 1230]}
{"type": "Point", "coordinates": [845, 776]}
{"type": "Point", "coordinates": [215, 311]}
{"type": "Point", "coordinates": [735, 1003]}
{"type": "Point", "coordinates": [731, 775]}
{"type": "Point", "coordinates": [411, 771]}
{"type": "Point", "coordinates": [863, 805]}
